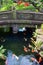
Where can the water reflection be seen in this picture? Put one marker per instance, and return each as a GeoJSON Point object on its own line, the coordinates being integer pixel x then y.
{"type": "Point", "coordinates": [12, 59]}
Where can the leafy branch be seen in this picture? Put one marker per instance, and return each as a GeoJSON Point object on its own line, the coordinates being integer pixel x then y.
{"type": "Point", "coordinates": [2, 51]}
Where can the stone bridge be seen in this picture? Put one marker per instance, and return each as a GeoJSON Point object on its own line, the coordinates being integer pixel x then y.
{"type": "Point", "coordinates": [21, 18]}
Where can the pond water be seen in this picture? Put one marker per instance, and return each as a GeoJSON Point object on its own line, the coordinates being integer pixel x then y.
{"type": "Point", "coordinates": [15, 42]}
{"type": "Point", "coordinates": [19, 60]}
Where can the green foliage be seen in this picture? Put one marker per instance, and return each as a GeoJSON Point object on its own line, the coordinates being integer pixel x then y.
{"type": "Point", "coordinates": [41, 0]}
{"type": "Point", "coordinates": [40, 30]}
{"type": "Point", "coordinates": [2, 51]}
{"type": "Point", "coordinates": [41, 26]}
{"type": "Point", "coordinates": [6, 29]}
{"type": "Point", "coordinates": [36, 5]}
{"type": "Point", "coordinates": [22, 7]}
{"type": "Point", "coordinates": [37, 44]}
{"type": "Point", "coordinates": [6, 5]}
{"type": "Point", "coordinates": [35, 33]}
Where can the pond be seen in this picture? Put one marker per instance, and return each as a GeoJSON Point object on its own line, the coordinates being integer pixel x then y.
{"type": "Point", "coordinates": [16, 42]}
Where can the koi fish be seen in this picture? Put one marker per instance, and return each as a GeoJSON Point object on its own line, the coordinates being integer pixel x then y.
{"type": "Point", "coordinates": [25, 49]}
{"type": "Point", "coordinates": [40, 59]}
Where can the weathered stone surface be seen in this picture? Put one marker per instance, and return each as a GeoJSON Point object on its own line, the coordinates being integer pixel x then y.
{"type": "Point", "coordinates": [24, 17]}
{"type": "Point", "coordinates": [27, 15]}
{"type": "Point", "coordinates": [38, 17]}
{"type": "Point", "coordinates": [6, 15]}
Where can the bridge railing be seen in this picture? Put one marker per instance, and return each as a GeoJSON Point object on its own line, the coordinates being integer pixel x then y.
{"type": "Point", "coordinates": [24, 16]}
{"type": "Point", "coordinates": [27, 15]}
{"type": "Point", "coordinates": [7, 15]}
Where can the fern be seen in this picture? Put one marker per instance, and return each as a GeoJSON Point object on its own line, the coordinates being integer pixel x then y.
{"type": "Point", "coordinates": [2, 51]}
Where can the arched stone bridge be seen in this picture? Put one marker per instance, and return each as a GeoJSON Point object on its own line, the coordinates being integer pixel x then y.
{"type": "Point", "coordinates": [21, 18]}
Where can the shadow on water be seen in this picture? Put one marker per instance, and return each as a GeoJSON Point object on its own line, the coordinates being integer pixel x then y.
{"type": "Point", "coordinates": [15, 42]}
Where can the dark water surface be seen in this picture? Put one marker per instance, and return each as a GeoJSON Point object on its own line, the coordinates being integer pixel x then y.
{"type": "Point", "coordinates": [15, 42]}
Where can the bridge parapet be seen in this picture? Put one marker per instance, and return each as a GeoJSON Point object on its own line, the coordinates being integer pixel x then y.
{"type": "Point", "coordinates": [27, 15]}
{"type": "Point", "coordinates": [21, 17]}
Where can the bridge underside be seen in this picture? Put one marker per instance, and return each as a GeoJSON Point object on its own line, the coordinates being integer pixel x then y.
{"type": "Point", "coordinates": [25, 23]}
